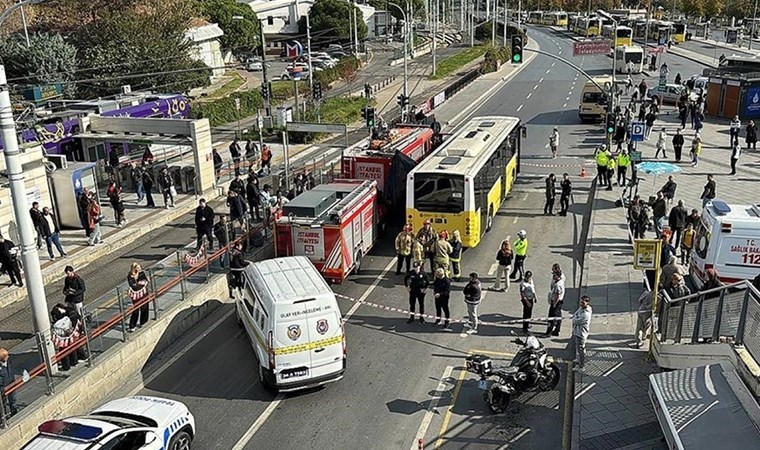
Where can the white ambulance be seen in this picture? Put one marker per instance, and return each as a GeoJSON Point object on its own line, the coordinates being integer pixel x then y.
{"type": "Point", "coordinates": [294, 324]}
{"type": "Point", "coordinates": [728, 241]}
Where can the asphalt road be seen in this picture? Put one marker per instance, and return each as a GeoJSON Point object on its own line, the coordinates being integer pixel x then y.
{"type": "Point", "coordinates": [407, 380]}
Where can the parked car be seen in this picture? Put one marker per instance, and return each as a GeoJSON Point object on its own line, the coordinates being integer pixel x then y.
{"type": "Point", "coordinates": [254, 66]}
{"type": "Point", "coordinates": [669, 93]}
{"type": "Point", "coordinates": [339, 54]}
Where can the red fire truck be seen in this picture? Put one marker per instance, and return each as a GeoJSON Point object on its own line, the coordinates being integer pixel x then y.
{"type": "Point", "coordinates": [333, 224]}
{"type": "Point", "coordinates": [389, 159]}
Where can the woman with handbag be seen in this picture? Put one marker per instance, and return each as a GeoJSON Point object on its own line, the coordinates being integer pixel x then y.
{"type": "Point", "coordinates": [95, 216]}
{"type": "Point", "coordinates": [65, 331]}
{"type": "Point", "coordinates": [114, 196]}
{"type": "Point", "coordinates": [138, 290]}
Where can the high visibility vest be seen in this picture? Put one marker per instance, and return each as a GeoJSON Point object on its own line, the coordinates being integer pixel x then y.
{"type": "Point", "coordinates": [601, 158]}
{"type": "Point", "coordinates": [521, 247]}
{"type": "Point", "coordinates": [611, 163]}
{"type": "Point", "coordinates": [623, 160]}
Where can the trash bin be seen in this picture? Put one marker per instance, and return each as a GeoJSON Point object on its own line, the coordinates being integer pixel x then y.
{"type": "Point", "coordinates": [188, 179]}
{"type": "Point", "coordinates": [176, 174]}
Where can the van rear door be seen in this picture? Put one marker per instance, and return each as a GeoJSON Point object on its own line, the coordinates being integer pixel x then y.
{"type": "Point", "coordinates": [326, 331]}
{"type": "Point", "coordinates": [291, 342]}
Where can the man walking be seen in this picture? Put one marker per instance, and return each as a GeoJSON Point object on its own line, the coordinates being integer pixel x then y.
{"type": "Point", "coordinates": [566, 190]}
{"type": "Point", "coordinates": [147, 179]}
{"type": "Point", "coordinates": [416, 283]}
{"type": "Point", "coordinates": [644, 319]}
{"type": "Point", "coordinates": [50, 231]}
{"type": "Point", "coordinates": [623, 161]}
{"type": "Point", "coordinates": [556, 297]}
{"type": "Point", "coordinates": [6, 378]}
{"type": "Point", "coordinates": [9, 262]}
{"type": "Point", "coordinates": [581, 325]}
{"type": "Point", "coordinates": [708, 193]}
{"type": "Point", "coordinates": [520, 247]}
{"type": "Point", "coordinates": [472, 296]}
{"type": "Point", "coordinates": [659, 209]}
{"type": "Point", "coordinates": [736, 151]}
{"type": "Point", "coordinates": [678, 144]}
{"type": "Point", "coordinates": [677, 221]}
{"type": "Point", "coordinates": [135, 173]}
{"type": "Point", "coordinates": [73, 290]}
{"type": "Point", "coordinates": [266, 159]}
{"type": "Point", "coordinates": [551, 194]}
{"type": "Point", "coordinates": [734, 130]}
{"type": "Point", "coordinates": [204, 224]}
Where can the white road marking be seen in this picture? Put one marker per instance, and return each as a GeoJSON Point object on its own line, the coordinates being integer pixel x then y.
{"type": "Point", "coordinates": [515, 219]}
{"type": "Point", "coordinates": [548, 70]}
{"type": "Point", "coordinates": [519, 108]}
{"type": "Point", "coordinates": [553, 64]}
{"type": "Point", "coordinates": [369, 290]}
{"type": "Point", "coordinates": [492, 269]}
{"type": "Point", "coordinates": [517, 438]}
{"type": "Point", "coordinates": [567, 98]}
{"type": "Point", "coordinates": [258, 423]}
{"type": "Point", "coordinates": [422, 430]}
{"type": "Point", "coordinates": [541, 80]}
{"type": "Point", "coordinates": [584, 390]}
{"type": "Point", "coordinates": [559, 52]}
{"type": "Point", "coordinates": [526, 197]}
{"type": "Point", "coordinates": [535, 87]}
{"type": "Point", "coordinates": [565, 105]}
{"type": "Point", "coordinates": [529, 95]}
{"type": "Point", "coordinates": [614, 368]}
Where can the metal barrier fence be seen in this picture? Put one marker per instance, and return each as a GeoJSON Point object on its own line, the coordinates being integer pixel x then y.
{"type": "Point", "coordinates": [726, 314]}
{"type": "Point", "coordinates": [106, 324]}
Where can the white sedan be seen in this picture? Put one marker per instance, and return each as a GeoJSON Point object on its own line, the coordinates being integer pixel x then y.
{"type": "Point", "coordinates": [145, 423]}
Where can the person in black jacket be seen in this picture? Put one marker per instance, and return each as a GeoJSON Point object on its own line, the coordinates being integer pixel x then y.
{"type": "Point", "coordinates": [9, 262]}
{"type": "Point", "coordinates": [237, 185]}
{"type": "Point", "coordinates": [83, 202]}
{"type": "Point", "coordinates": [678, 144]}
{"type": "Point", "coordinates": [677, 221]}
{"type": "Point", "coordinates": [566, 191]}
{"type": "Point", "coordinates": [204, 223]}
{"type": "Point", "coordinates": [235, 152]}
{"type": "Point", "coordinates": [237, 265]}
{"type": "Point", "coordinates": [416, 283]}
{"type": "Point", "coordinates": [218, 163]}
{"type": "Point", "coordinates": [551, 194]}
{"type": "Point", "coordinates": [147, 178]}
{"type": "Point", "coordinates": [73, 289]}
{"type": "Point", "coordinates": [166, 183]}
{"type": "Point", "coordinates": [36, 215]}
{"type": "Point", "coordinates": [253, 194]}
{"type": "Point", "coordinates": [51, 233]}
{"type": "Point", "coordinates": [6, 378]}
{"type": "Point", "coordinates": [237, 207]}
{"type": "Point", "coordinates": [223, 231]}
{"type": "Point", "coordinates": [441, 294]}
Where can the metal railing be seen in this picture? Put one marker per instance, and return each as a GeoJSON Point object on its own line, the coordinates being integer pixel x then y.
{"type": "Point", "coordinates": [105, 325]}
{"type": "Point", "coordinates": [729, 314]}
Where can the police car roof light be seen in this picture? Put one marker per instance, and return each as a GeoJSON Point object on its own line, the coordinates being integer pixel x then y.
{"type": "Point", "coordinates": [75, 431]}
{"type": "Point", "coordinates": [721, 207]}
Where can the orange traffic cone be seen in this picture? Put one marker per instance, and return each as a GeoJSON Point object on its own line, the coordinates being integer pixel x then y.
{"type": "Point", "coordinates": [583, 171]}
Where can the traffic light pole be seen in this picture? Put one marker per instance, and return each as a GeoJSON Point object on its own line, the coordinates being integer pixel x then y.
{"type": "Point", "coordinates": [405, 93]}
{"type": "Point", "coordinates": [264, 71]}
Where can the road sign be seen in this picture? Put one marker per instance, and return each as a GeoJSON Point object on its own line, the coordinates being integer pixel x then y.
{"type": "Point", "coordinates": [237, 104]}
{"type": "Point", "coordinates": [646, 254]}
{"type": "Point", "coordinates": [309, 127]}
{"type": "Point", "coordinates": [597, 47]}
{"type": "Point", "coordinates": [637, 131]}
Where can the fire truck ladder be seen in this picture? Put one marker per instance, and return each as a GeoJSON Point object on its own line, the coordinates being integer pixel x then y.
{"type": "Point", "coordinates": [337, 210]}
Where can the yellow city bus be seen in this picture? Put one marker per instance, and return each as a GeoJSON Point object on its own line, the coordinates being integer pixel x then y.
{"type": "Point", "coordinates": [592, 27]}
{"type": "Point", "coordinates": [623, 36]}
{"type": "Point", "coordinates": [678, 33]}
{"type": "Point", "coordinates": [464, 182]}
{"type": "Point", "coordinates": [557, 19]}
{"type": "Point", "coordinates": [536, 17]}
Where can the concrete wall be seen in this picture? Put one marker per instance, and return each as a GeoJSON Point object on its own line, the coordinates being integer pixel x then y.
{"type": "Point", "coordinates": [35, 181]}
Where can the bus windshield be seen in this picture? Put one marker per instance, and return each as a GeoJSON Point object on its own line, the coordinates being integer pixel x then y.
{"type": "Point", "coordinates": [438, 193]}
{"type": "Point", "coordinates": [635, 57]}
{"type": "Point", "coordinates": [594, 97]}
{"type": "Point", "coordinates": [624, 32]}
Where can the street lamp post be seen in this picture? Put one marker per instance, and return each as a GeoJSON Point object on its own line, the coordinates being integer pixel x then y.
{"type": "Point", "coordinates": [406, 58]}
{"type": "Point", "coordinates": [613, 86]}
{"type": "Point", "coordinates": [752, 30]}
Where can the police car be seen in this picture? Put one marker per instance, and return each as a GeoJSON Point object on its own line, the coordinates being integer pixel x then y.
{"type": "Point", "coordinates": [132, 423]}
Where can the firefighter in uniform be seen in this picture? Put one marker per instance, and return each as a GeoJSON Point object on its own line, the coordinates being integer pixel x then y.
{"type": "Point", "coordinates": [426, 236]}
{"type": "Point", "coordinates": [442, 251]}
{"type": "Point", "coordinates": [456, 254]}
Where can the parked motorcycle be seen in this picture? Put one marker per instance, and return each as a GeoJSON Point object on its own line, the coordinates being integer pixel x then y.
{"type": "Point", "coordinates": [528, 371]}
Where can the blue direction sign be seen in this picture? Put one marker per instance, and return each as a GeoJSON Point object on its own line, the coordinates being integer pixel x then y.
{"type": "Point", "coordinates": [637, 131]}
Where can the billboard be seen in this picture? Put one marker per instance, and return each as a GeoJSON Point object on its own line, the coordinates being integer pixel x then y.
{"type": "Point", "coordinates": [752, 102]}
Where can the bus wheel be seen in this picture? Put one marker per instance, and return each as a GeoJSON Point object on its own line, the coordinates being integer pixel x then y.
{"type": "Point", "coordinates": [489, 219]}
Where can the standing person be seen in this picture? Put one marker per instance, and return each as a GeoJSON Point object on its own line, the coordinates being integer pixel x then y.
{"type": "Point", "coordinates": [566, 190]}
{"type": "Point", "coordinates": [708, 192]}
{"type": "Point", "coordinates": [148, 182]}
{"type": "Point", "coordinates": [426, 236]}
{"type": "Point", "coordinates": [687, 243]}
{"type": "Point", "coordinates": [442, 249]}
{"type": "Point", "coordinates": [9, 261]}
{"type": "Point", "coordinates": [669, 189]}
{"type": "Point", "coordinates": [644, 319]}
{"type": "Point", "coordinates": [237, 185]}
{"type": "Point", "coordinates": [404, 241]}
{"type": "Point", "coordinates": [418, 253]}
{"type": "Point", "coordinates": [441, 295]}
{"type": "Point", "coordinates": [551, 194]}
{"type": "Point", "coordinates": [581, 326]}
{"type": "Point", "coordinates": [222, 231]}
{"type": "Point", "coordinates": [556, 297]}
{"type": "Point", "coordinates": [251, 149]}
{"type": "Point", "coordinates": [83, 202]}
{"type": "Point", "coordinates": [610, 171]}
{"type": "Point", "coordinates": [456, 255]}
{"type": "Point", "coordinates": [472, 296]}
{"type": "Point", "coordinates": [36, 216]}
{"type": "Point", "coordinates": [73, 290]}
{"type": "Point", "coordinates": [662, 144]}
{"type": "Point", "coordinates": [643, 89]}
{"type": "Point", "coordinates": [138, 290]}
{"type": "Point", "coordinates": [51, 233]}
{"type": "Point", "coordinates": [266, 158]}
{"type": "Point", "coordinates": [166, 183]}
{"type": "Point", "coordinates": [265, 200]}
{"type": "Point", "coordinates": [135, 173]}
{"type": "Point", "coordinates": [235, 152]}
{"type": "Point", "coordinates": [696, 150]}
{"type": "Point", "coordinates": [659, 210]}
{"type": "Point", "coordinates": [218, 163]}
{"type": "Point", "coordinates": [554, 141]}
{"type": "Point", "coordinates": [736, 152]}
{"type": "Point", "coordinates": [520, 247]}
{"type": "Point", "coordinates": [147, 157]}
{"type": "Point", "coordinates": [677, 221]}
{"type": "Point", "coordinates": [644, 219]}
{"type": "Point", "coordinates": [677, 144]}
{"type": "Point", "coordinates": [629, 80]}
{"type": "Point", "coordinates": [253, 195]}
{"type": "Point", "coordinates": [416, 283]}
{"type": "Point", "coordinates": [117, 204]}
{"type": "Point", "coordinates": [528, 299]}
{"type": "Point", "coordinates": [623, 162]}
{"type": "Point", "coordinates": [95, 215]}
{"type": "Point", "coordinates": [734, 131]}
{"type": "Point", "coordinates": [204, 224]}
{"type": "Point", "coordinates": [504, 259]}
{"type": "Point", "coordinates": [649, 120]}
{"type": "Point", "coordinates": [237, 207]}
{"type": "Point", "coordinates": [237, 265]}
{"type": "Point", "coordinates": [6, 378]}
{"type": "Point", "coordinates": [751, 138]}
{"type": "Point", "coordinates": [683, 114]}
{"type": "Point", "coordinates": [693, 218]}
{"type": "Point", "coordinates": [601, 165]}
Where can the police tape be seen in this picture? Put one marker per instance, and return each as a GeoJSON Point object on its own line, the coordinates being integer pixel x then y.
{"type": "Point", "coordinates": [556, 165]}
{"type": "Point", "coordinates": [503, 323]}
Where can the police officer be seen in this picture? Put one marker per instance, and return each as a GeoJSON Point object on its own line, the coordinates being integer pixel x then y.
{"type": "Point", "coordinates": [610, 170]}
{"type": "Point", "coordinates": [601, 165]}
{"type": "Point", "coordinates": [623, 161]}
{"type": "Point", "coordinates": [520, 247]}
{"type": "Point", "coordinates": [416, 283]}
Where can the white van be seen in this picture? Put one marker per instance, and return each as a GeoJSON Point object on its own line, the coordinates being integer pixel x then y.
{"type": "Point", "coordinates": [593, 101]}
{"type": "Point", "coordinates": [292, 319]}
{"type": "Point", "coordinates": [727, 240]}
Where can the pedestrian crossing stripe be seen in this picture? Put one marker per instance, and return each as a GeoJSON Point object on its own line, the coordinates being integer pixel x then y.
{"type": "Point", "coordinates": [308, 346]}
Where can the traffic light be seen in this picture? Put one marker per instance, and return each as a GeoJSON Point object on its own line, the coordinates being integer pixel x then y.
{"type": "Point", "coordinates": [370, 117]}
{"type": "Point", "coordinates": [517, 49]}
{"type": "Point", "coordinates": [610, 124]}
{"type": "Point", "coordinates": [316, 91]}
{"type": "Point", "coordinates": [364, 113]}
{"type": "Point", "coordinates": [266, 90]}
{"type": "Point", "coordinates": [403, 100]}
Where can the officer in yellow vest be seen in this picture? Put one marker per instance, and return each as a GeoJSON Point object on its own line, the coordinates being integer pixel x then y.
{"type": "Point", "coordinates": [610, 170]}
{"type": "Point", "coordinates": [520, 247]}
{"type": "Point", "coordinates": [623, 161]}
{"type": "Point", "coordinates": [601, 165]}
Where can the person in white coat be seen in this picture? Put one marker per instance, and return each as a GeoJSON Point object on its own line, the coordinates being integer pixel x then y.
{"type": "Point", "coordinates": [662, 144]}
{"type": "Point", "coordinates": [581, 325]}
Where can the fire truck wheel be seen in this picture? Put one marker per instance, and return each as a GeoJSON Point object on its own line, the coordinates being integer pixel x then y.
{"type": "Point", "coordinates": [358, 263]}
{"type": "Point", "coordinates": [489, 219]}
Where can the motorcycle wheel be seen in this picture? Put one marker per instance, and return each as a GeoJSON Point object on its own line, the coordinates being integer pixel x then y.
{"type": "Point", "coordinates": [550, 377]}
{"type": "Point", "coordinates": [497, 400]}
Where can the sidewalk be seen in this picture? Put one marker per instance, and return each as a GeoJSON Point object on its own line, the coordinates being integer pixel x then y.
{"type": "Point", "coordinates": [612, 409]}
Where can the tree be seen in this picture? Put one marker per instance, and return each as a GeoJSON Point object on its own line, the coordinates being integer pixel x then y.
{"type": "Point", "coordinates": [48, 59]}
{"type": "Point", "coordinates": [66, 16]}
{"type": "Point", "coordinates": [239, 34]}
{"type": "Point", "coordinates": [693, 8]}
{"type": "Point", "coordinates": [348, 75]}
{"type": "Point", "coordinates": [142, 46]}
{"type": "Point", "coordinates": [713, 8]}
{"type": "Point", "coordinates": [332, 18]}
{"type": "Point", "coordinates": [417, 5]}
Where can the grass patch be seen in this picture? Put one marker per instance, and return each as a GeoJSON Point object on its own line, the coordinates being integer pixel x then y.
{"type": "Point", "coordinates": [228, 87]}
{"type": "Point", "coordinates": [457, 61]}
